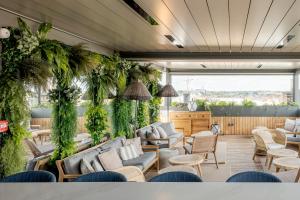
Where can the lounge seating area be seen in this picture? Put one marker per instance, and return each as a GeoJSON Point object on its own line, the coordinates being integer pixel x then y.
{"type": "Point", "coordinates": [149, 99]}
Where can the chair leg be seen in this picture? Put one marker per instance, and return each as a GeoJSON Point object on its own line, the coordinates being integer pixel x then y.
{"type": "Point", "coordinates": [216, 160]}
{"type": "Point", "coordinates": [253, 158]}
{"type": "Point", "coordinates": [267, 159]}
{"type": "Point", "coordinates": [270, 162]}
{"type": "Point", "coordinates": [298, 176]}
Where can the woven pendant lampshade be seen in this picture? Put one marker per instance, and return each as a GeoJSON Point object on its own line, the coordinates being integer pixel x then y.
{"type": "Point", "coordinates": [137, 91]}
{"type": "Point", "coordinates": [167, 91]}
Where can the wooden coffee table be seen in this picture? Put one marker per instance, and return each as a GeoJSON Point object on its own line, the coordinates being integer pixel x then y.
{"type": "Point", "coordinates": [193, 160]}
{"type": "Point", "coordinates": [279, 153]}
{"type": "Point", "coordinates": [287, 164]}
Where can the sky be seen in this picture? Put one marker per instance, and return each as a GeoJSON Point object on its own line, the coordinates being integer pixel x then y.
{"type": "Point", "coordinates": [233, 82]}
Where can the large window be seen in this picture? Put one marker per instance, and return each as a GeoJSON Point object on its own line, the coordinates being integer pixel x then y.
{"type": "Point", "coordinates": [260, 89]}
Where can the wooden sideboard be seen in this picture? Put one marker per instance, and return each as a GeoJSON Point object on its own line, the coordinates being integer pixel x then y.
{"type": "Point", "coordinates": [191, 122]}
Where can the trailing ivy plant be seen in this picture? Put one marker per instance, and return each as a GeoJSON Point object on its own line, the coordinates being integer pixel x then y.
{"type": "Point", "coordinates": [143, 118]}
{"type": "Point", "coordinates": [101, 83]}
{"type": "Point", "coordinates": [20, 69]}
{"type": "Point", "coordinates": [155, 102]}
{"type": "Point", "coordinates": [122, 110]}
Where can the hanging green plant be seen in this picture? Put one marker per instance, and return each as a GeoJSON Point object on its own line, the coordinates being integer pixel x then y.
{"type": "Point", "coordinates": [155, 102]}
{"type": "Point", "coordinates": [143, 118]}
{"type": "Point", "coordinates": [20, 69]}
{"type": "Point", "coordinates": [101, 84]}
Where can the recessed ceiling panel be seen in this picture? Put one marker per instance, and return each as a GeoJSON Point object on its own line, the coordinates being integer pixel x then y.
{"type": "Point", "coordinates": [219, 11]}
{"type": "Point", "coordinates": [277, 13]}
{"type": "Point", "coordinates": [200, 13]}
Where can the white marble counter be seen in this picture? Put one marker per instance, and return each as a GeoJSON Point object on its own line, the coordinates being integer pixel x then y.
{"type": "Point", "coordinates": [147, 191]}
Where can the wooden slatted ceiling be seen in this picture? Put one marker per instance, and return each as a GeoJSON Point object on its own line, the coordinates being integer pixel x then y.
{"type": "Point", "coordinates": [199, 25]}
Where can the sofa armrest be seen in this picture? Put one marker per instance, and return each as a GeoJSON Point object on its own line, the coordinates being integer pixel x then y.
{"type": "Point", "coordinates": [62, 175]}
{"type": "Point", "coordinates": [148, 148]}
{"type": "Point", "coordinates": [160, 139]}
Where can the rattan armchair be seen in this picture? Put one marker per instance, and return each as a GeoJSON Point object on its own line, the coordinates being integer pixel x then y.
{"type": "Point", "coordinates": [263, 142]}
{"type": "Point", "coordinates": [203, 145]}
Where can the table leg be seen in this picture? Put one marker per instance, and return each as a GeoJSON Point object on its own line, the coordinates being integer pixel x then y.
{"type": "Point", "coordinates": [298, 176]}
{"type": "Point", "coordinates": [270, 162]}
{"type": "Point", "coordinates": [277, 169]}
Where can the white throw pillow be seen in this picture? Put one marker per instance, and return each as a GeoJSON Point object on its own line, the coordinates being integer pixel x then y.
{"type": "Point", "coordinates": [162, 132]}
{"type": "Point", "coordinates": [128, 152]}
{"type": "Point", "coordinates": [297, 125]}
{"type": "Point", "coordinates": [289, 125]}
{"type": "Point", "coordinates": [137, 143]}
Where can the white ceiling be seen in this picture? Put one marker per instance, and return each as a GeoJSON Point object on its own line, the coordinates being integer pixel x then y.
{"type": "Point", "coordinates": [253, 65]}
{"type": "Point", "coordinates": [198, 25]}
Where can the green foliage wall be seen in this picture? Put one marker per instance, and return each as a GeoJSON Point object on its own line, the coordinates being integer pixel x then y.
{"type": "Point", "coordinates": [143, 118]}
{"type": "Point", "coordinates": [122, 117]}
{"type": "Point", "coordinates": [154, 103]}
{"type": "Point", "coordinates": [20, 68]}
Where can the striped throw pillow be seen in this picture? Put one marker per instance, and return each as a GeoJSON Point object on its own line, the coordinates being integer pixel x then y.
{"type": "Point", "coordinates": [128, 152]}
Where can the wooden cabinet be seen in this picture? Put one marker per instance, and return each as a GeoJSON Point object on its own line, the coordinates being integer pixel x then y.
{"type": "Point", "coordinates": [191, 122]}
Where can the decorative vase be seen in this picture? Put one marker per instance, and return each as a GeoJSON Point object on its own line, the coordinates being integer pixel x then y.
{"type": "Point", "coordinates": [192, 106]}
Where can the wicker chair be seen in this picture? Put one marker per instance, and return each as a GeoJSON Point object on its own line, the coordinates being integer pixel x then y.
{"type": "Point", "coordinates": [132, 173]}
{"type": "Point", "coordinates": [38, 151]}
{"type": "Point", "coordinates": [203, 145]}
{"type": "Point", "coordinates": [264, 142]}
{"type": "Point", "coordinates": [253, 176]}
{"type": "Point", "coordinates": [105, 176]}
{"type": "Point", "coordinates": [176, 177]}
{"type": "Point", "coordinates": [30, 176]}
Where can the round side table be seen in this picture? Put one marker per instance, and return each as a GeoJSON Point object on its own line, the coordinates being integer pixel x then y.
{"type": "Point", "coordinates": [193, 160]}
{"type": "Point", "coordinates": [181, 168]}
{"type": "Point", "coordinates": [279, 153]}
{"type": "Point", "coordinates": [287, 164]}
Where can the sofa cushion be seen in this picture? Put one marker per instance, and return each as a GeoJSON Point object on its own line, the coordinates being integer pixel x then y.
{"type": "Point", "coordinates": [72, 163]}
{"type": "Point", "coordinates": [137, 143]}
{"type": "Point", "coordinates": [142, 133]}
{"type": "Point", "coordinates": [152, 135]}
{"type": "Point", "coordinates": [162, 132]}
{"type": "Point", "coordinates": [292, 138]}
{"type": "Point", "coordinates": [97, 166]}
{"type": "Point", "coordinates": [86, 167]}
{"type": "Point", "coordinates": [168, 127]}
{"type": "Point", "coordinates": [289, 125]}
{"type": "Point", "coordinates": [116, 144]}
{"type": "Point", "coordinates": [143, 160]}
{"type": "Point", "coordinates": [128, 152]}
{"type": "Point", "coordinates": [110, 160]}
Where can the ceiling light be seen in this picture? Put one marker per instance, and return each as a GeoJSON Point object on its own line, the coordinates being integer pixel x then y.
{"type": "Point", "coordinates": [140, 11]}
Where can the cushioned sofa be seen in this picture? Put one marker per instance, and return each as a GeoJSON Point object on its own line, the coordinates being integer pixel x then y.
{"type": "Point", "coordinates": [291, 130]}
{"type": "Point", "coordinates": [69, 168]}
{"type": "Point", "coordinates": [172, 139]}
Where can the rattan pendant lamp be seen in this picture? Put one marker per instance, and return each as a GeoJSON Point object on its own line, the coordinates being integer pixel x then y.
{"type": "Point", "coordinates": [137, 91]}
{"type": "Point", "coordinates": [168, 91]}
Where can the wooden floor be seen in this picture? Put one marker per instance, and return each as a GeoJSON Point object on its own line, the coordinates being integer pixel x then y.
{"type": "Point", "coordinates": [240, 150]}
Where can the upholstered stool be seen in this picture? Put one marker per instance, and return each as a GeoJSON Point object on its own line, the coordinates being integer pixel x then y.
{"type": "Point", "coordinates": [165, 154]}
